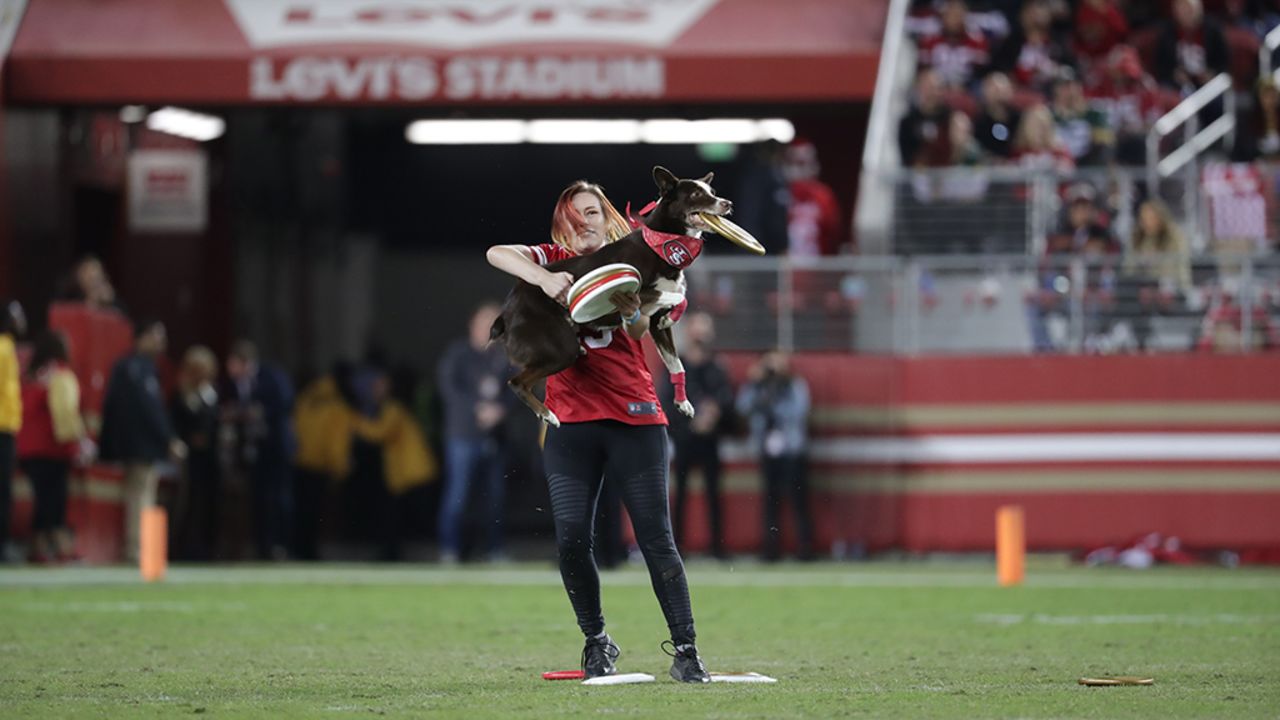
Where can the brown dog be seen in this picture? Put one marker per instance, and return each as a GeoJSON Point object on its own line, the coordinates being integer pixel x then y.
{"type": "Point", "coordinates": [540, 337]}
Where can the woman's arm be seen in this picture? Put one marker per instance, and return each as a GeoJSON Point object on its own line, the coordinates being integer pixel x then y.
{"type": "Point", "coordinates": [628, 304]}
{"type": "Point", "coordinates": [517, 260]}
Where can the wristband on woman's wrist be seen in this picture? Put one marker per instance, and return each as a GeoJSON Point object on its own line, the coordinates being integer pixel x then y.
{"type": "Point", "coordinates": [635, 318]}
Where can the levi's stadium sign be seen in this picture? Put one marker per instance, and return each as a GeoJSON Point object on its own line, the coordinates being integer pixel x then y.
{"type": "Point", "coordinates": [428, 36]}
{"type": "Point", "coordinates": [459, 79]}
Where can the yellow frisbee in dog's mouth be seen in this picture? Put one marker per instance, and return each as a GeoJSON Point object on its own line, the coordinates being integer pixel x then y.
{"type": "Point", "coordinates": [730, 231]}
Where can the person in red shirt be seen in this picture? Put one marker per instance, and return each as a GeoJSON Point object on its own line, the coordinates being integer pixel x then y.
{"type": "Point", "coordinates": [612, 429]}
{"type": "Point", "coordinates": [1031, 55]}
{"type": "Point", "coordinates": [957, 53]}
{"type": "Point", "coordinates": [1099, 27]}
{"type": "Point", "coordinates": [1130, 99]}
{"type": "Point", "coordinates": [813, 217]}
{"type": "Point", "coordinates": [52, 436]}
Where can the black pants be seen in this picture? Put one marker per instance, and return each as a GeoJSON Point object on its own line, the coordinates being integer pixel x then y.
{"type": "Point", "coordinates": [700, 451]}
{"type": "Point", "coordinates": [272, 506]}
{"type": "Point", "coordinates": [610, 550]}
{"type": "Point", "coordinates": [49, 486]}
{"type": "Point", "coordinates": [7, 460]}
{"type": "Point", "coordinates": [579, 458]}
{"type": "Point", "coordinates": [785, 476]}
{"type": "Point", "coordinates": [310, 490]}
{"type": "Point", "coordinates": [204, 498]}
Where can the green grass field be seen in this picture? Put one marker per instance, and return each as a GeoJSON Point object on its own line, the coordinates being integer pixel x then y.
{"type": "Point", "coordinates": [911, 640]}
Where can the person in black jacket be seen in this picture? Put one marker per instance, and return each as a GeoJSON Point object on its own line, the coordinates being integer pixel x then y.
{"type": "Point", "coordinates": [135, 427]}
{"type": "Point", "coordinates": [257, 408]}
{"type": "Point", "coordinates": [194, 409]}
{"type": "Point", "coordinates": [697, 439]}
{"type": "Point", "coordinates": [922, 131]}
{"type": "Point", "coordinates": [1190, 49]}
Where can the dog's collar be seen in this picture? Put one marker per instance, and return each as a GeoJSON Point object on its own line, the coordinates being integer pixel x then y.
{"type": "Point", "coordinates": [678, 250]}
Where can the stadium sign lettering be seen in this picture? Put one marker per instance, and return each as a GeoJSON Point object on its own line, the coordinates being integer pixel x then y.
{"type": "Point", "coordinates": [311, 79]}
{"type": "Point", "coordinates": [459, 24]}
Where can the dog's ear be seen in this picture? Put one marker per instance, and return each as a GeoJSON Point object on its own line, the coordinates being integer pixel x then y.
{"type": "Point", "coordinates": [708, 178]}
{"type": "Point", "coordinates": [665, 180]}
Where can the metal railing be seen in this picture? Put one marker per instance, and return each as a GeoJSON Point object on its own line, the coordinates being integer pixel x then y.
{"type": "Point", "coordinates": [1013, 210]}
{"type": "Point", "coordinates": [1009, 304]}
{"type": "Point", "coordinates": [1266, 51]}
{"type": "Point", "coordinates": [1197, 141]}
{"type": "Point", "coordinates": [879, 156]}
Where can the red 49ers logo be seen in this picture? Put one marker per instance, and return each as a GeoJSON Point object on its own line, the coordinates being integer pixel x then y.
{"type": "Point", "coordinates": [677, 254]}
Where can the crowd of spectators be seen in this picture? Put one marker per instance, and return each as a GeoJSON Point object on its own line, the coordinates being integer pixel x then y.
{"type": "Point", "coordinates": [1100, 72]}
{"type": "Point", "coordinates": [1071, 89]}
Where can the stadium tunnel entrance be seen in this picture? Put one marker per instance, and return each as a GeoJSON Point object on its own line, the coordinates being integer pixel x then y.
{"type": "Point", "coordinates": [300, 215]}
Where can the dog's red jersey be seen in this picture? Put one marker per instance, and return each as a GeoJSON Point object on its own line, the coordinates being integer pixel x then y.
{"type": "Point", "coordinates": [609, 382]}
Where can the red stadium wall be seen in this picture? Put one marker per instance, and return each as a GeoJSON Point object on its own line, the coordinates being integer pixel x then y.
{"type": "Point", "coordinates": [918, 453]}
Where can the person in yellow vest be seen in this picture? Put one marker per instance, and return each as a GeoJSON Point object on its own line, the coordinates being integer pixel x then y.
{"type": "Point", "coordinates": [13, 324]}
{"type": "Point", "coordinates": [407, 460]}
{"type": "Point", "coordinates": [322, 422]}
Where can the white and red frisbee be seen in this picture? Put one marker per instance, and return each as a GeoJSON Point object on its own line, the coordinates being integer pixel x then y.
{"type": "Point", "coordinates": [589, 295]}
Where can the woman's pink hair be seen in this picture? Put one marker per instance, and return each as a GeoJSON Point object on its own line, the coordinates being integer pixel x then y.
{"type": "Point", "coordinates": [566, 219]}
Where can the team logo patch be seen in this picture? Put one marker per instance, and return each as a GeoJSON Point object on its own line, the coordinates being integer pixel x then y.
{"type": "Point", "coordinates": [677, 254]}
{"type": "Point", "coordinates": [645, 408]}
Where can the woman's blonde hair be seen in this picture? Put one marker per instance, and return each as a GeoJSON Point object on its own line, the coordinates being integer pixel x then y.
{"type": "Point", "coordinates": [201, 361]}
{"type": "Point", "coordinates": [1167, 239]}
{"type": "Point", "coordinates": [1040, 119]}
{"type": "Point", "coordinates": [565, 219]}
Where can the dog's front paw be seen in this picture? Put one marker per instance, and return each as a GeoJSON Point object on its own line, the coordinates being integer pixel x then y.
{"type": "Point", "coordinates": [551, 419]}
{"type": "Point", "coordinates": [664, 322]}
{"type": "Point", "coordinates": [685, 407]}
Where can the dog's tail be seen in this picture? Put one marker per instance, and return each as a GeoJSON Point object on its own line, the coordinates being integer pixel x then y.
{"type": "Point", "coordinates": [497, 330]}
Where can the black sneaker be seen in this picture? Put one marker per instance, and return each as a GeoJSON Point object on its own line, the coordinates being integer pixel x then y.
{"type": "Point", "coordinates": [598, 657]}
{"type": "Point", "coordinates": [686, 665]}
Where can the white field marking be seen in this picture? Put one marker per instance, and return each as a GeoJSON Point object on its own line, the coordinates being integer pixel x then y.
{"type": "Point", "coordinates": [1016, 448]}
{"type": "Point", "coordinates": [745, 574]}
{"type": "Point", "coordinates": [1152, 619]}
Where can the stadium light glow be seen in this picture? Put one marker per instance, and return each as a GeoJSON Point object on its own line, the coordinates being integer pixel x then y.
{"type": "Point", "coordinates": [693, 132]}
{"type": "Point", "coordinates": [133, 114]}
{"type": "Point", "coordinates": [187, 124]}
{"type": "Point", "coordinates": [664, 131]}
{"type": "Point", "coordinates": [779, 129]}
{"type": "Point", "coordinates": [466, 132]}
{"type": "Point", "coordinates": [572, 132]}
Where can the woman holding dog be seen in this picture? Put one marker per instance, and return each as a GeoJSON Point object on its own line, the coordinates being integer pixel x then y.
{"type": "Point", "coordinates": [612, 429]}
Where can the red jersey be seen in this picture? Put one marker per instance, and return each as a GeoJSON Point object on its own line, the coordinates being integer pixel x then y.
{"type": "Point", "coordinates": [1132, 108]}
{"type": "Point", "coordinates": [813, 219]}
{"type": "Point", "coordinates": [956, 59]}
{"type": "Point", "coordinates": [36, 439]}
{"type": "Point", "coordinates": [1099, 30]}
{"type": "Point", "coordinates": [609, 382]}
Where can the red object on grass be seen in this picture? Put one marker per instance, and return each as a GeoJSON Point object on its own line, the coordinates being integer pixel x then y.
{"type": "Point", "coordinates": [564, 675]}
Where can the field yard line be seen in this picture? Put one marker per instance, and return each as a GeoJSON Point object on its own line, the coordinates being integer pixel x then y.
{"type": "Point", "coordinates": [747, 576]}
{"type": "Point", "coordinates": [1152, 619]}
